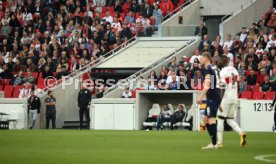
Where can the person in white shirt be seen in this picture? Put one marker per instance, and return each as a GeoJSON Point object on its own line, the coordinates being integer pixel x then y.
{"type": "Point", "coordinates": [170, 77]}
{"type": "Point", "coordinates": [108, 17]}
{"type": "Point", "coordinates": [229, 55]}
{"type": "Point", "coordinates": [228, 43]}
{"type": "Point", "coordinates": [243, 35]}
{"type": "Point", "coordinates": [272, 41]}
{"type": "Point", "coordinates": [127, 93]}
{"type": "Point", "coordinates": [26, 91]}
{"type": "Point", "coordinates": [229, 78]}
{"type": "Point", "coordinates": [164, 116]}
{"type": "Point", "coordinates": [195, 56]}
{"type": "Point", "coordinates": [116, 24]}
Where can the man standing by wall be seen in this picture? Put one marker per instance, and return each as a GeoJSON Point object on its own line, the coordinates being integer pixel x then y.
{"type": "Point", "coordinates": [84, 99]}
{"type": "Point", "coordinates": [33, 109]}
{"type": "Point", "coordinates": [50, 103]}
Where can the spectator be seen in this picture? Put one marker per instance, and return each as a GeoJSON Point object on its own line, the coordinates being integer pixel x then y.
{"type": "Point", "coordinates": [228, 42]}
{"type": "Point", "coordinates": [242, 85]}
{"type": "Point", "coordinates": [261, 76]}
{"type": "Point", "coordinates": [196, 55]}
{"type": "Point", "coordinates": [166, 7]}
{"type": "Point", "coordinates": [118, 6]}
{"type": "Point", "coordinates": [157, 15]}
{"type": "Point", "coordinates": [47, 72]}
{"type": "Point", "coordinates": [29, 78]}
{"type": "Point", "coordinates": [266, 85]}
{"type": "Point", "coordinates": [252, 78]}
{"type": "Point", "coordinates": [148, 11]}
{"type": "Point", "coordinates": [178, 115]}
{"type": "Point", "coordinates": [201, 29]}
{"type": "Point", "coordinates": [243, 35]}
{"type": "Point", "coordinates": [229, 55]}
{"type": "Point", "coordinates": [18, 78]}
{"type": "Point", "coordinates": [5, 73]}
{"type": "Point", "coordinates": [205, 41]}
{"type": "Point", "coordinates": [173, 85]}
{"type": "Point", "coordinates": [164, 116]}
{"type": "Point", "coordinates": [127, 93]}
{"type": "Point", "coordinates": [26, 91]}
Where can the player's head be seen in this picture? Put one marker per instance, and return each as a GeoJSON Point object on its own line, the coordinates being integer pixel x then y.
{"type": "Point", "coordinates": [205, 58]}
{"type": "Point", "coordinates": [223, 61]}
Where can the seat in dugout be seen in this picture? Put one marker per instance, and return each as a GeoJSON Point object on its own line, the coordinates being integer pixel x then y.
{"type": "Point", "coordinates": [155, 111]}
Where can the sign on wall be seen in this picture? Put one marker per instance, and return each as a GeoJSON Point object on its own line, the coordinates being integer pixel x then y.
{"type": "Point", "coordinates": [256, 115]}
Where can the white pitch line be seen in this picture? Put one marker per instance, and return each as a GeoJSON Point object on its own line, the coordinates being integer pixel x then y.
{"type": "Point", "coordinates": [264, 158]}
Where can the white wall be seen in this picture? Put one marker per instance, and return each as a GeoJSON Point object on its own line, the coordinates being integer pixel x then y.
{"type": "Point", "coordinates": [220, 7]}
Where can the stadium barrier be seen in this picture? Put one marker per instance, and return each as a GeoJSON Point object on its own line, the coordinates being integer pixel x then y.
{"type": "Point", "coordinates": [256, 115]}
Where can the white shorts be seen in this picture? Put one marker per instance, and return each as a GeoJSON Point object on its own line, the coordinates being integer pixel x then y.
{"type": "Point", "coordinates": [229, 110]}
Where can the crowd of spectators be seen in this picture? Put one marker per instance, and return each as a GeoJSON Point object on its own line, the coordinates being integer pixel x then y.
{"type": "Point", "coordinates": [252, 51]}
{"type": "Point", "coordinates": [56, 38]}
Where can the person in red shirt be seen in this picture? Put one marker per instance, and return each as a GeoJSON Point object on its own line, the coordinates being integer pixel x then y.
{"type": "Point", "coordinates": [260, 78]}
{"type": "Point", "coordinates": [166, 6]}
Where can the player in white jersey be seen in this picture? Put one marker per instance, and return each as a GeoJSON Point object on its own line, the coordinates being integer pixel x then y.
{"type": "Point", "coordinates": [229, 78]}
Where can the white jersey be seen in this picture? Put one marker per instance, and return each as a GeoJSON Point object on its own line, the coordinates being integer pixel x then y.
{"type": "Point", "coordinates": [229, 77]}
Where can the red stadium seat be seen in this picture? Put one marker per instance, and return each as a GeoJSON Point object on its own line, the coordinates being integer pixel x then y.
{"type": "Point", "coordinates": [258, 95]}
{"type": "Point", "coordinates": [8, 91]}
{"type": "Point", "coordinates": [1, 87]}
{"type": "Point", "coordinates": [103, 9]}
{"type": "Point", "coordinates": [110, 9]}
{"type": "Point", "coordinates": [17, 90]}
{"type": "Point", "coordinates": [7, 81]}
{"type": "Point", "coordinates": [269, 95]}
{"type": "Point", "coordinates": [256, 88]}
{"type": "Point", "coordinates": [151, 2]}
{"type": "Point", "coordinates": [35, 74]}
{"type": "Point", "coordinates": [2, 82]}
{"type": "Point", "coordinates": [248, 88]}
{"type": "Point", "coordinates": [246, 95]}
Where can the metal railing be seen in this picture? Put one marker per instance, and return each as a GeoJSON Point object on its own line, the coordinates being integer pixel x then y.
{"type": "Point", "coordinates": [144, 70]}
{"type": "Point", "coordinates": [88, 67]}
{"type": "Point", "coordinates": [176, 10]}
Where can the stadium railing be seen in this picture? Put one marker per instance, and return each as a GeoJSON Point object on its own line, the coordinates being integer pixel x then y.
{"type": "Point", "coordinates": [145, 71]}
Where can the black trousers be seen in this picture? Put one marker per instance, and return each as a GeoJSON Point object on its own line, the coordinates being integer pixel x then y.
{"type": "Point", "coordinates": [50, 115]}
{"type": "Point", "coordinates": [275, 117]}
{"type": "Point", "coordinates": [84, 110]}
{"type": "Point", "coordinates": [175, 120]}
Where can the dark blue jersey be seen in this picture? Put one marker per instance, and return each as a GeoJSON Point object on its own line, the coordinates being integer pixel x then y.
{"type": "Point", "coordinates": [213, 94]}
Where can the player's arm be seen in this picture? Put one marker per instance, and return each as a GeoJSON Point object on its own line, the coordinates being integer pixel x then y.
{"type": "Point", "coordinates": [206, 87]}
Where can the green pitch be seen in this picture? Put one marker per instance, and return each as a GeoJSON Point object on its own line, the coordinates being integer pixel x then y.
{"type": "Point", "coordinates": [135, 147]}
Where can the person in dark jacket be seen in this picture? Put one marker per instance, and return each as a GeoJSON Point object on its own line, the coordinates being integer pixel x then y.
{"type": "Point", "coordinates": [178, 115]}
{"type": "Point", "coordinates": [33, 108]}
{"type": "Point", "coordinates": [273, 105]}
{"type": "Point", "coordinates": [84, 99]}
{"type": "Point", "coordinates": [201, 29]}
{"type": "Point", "coordinates": [50, 103]}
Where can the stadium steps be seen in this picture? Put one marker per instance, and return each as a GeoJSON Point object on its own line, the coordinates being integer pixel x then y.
{"type": "Point", "coordinates": [74, 125]}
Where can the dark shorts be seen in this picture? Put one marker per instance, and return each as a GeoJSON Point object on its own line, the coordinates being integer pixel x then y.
{"type": "Point", "coordinates": [212, 108]}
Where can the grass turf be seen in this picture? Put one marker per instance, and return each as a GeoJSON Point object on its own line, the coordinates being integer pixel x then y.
{"type": "Point", "coordinates": [135, 147]}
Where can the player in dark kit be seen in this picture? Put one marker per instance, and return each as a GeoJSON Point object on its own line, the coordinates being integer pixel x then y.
{"type": "Point", "coordinates": [212, 93]}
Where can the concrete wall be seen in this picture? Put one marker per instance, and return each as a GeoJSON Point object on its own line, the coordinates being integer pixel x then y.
{"type": "Point", "coordinates": [191, 17]}
{"type": "Point", "coordinates": [245, 18]}
{"type": "Point", "coordinates": [220, 7]}
{"type": "Point", "coordinates": [66, 104]}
